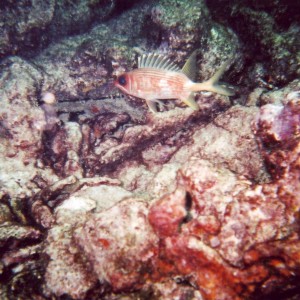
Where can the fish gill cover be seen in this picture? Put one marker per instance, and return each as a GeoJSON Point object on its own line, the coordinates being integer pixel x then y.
{"type": "Point", "coordinates": [103, 199]}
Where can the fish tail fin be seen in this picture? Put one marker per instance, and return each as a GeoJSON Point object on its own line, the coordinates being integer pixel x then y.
{"type": "Point", "coordinates": [213, 84]}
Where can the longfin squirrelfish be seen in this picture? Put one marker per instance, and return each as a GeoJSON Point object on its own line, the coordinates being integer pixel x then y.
{"type": "Point", "coordinates": [157, 78]}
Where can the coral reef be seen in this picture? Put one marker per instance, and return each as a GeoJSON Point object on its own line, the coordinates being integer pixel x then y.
{"type": "Point", "coordinates": [100, 198]}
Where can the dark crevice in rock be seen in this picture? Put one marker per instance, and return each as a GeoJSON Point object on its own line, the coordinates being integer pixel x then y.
{"type": "Point", "coordinates": [122, 5]}
{"type": "Point", "coordinates": [24, 283]}
{"type": "Point", "coordinates": [291, 291]}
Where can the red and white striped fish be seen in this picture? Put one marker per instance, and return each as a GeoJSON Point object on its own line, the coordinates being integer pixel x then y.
{"type": "Point", "coordinates": [157, 78]}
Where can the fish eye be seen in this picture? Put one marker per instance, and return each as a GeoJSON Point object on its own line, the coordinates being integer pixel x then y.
{"type": "Point", "coordinates": [122, 80]}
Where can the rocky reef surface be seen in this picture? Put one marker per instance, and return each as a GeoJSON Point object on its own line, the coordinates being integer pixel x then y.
{"type": "Point", "coordinates": [102, 199]}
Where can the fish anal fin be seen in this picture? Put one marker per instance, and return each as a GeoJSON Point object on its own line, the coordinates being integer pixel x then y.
{"type": "Point", "coordinates": [190, 101]}
{"type": "Point", "coordinates": [190, 67]}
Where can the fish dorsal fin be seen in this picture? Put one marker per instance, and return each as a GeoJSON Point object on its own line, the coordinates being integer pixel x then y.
{"type": "Point", "coordinates": [157, 61]}
{"type": "Point", "coordinates": [190, 67]}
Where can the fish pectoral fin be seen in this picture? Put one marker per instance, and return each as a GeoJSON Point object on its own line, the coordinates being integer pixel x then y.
{"type": "Point", "coordinates": [160, 103]}
{"type": "Point", "coordinates": [190, 101]}
{"type": "Point", "coordinates": [152, 105]}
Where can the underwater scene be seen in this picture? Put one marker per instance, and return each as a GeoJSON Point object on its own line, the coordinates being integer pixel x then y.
{"type": "Point", "coordinates": [149, 149]}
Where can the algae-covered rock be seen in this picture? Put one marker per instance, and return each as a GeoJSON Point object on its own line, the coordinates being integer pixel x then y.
{"type": "Point", "coordinates": [23, 24]}
{"type": "Point", "coordinates": [268, 31]}
{"type": "Point", "coordinates": [28, 26]}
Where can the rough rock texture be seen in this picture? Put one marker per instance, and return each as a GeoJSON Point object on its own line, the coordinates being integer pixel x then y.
{"type": "Point", "coordinates": [238, 228]}
{"type": "Point", "coordinates": [120, 245]}
{"type": "Point", "coordinates": [33, 17]}
{"type": "Point", "coordinates": [80, 278]}
{"type": "Point", "coordinates": [41, 22]}
{"type": "Point", "coordinates": [216, 227]}
{"type": "Point", "coordinates": [100, 198]}
{"type": "Point", "coordinates": [268, 31]}
{"type": "Point", "coordinates": [22, 124]}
